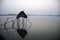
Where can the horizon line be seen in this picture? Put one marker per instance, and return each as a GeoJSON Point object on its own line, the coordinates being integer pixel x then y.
{"type": "Point", "coordinates": [26, 14]}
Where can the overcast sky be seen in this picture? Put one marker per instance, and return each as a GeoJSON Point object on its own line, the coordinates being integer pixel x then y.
{"type": "Point", "coordinates": [30, 6]}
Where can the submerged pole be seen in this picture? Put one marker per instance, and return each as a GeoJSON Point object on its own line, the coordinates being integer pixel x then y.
{"type": "Point", "coordinates": [18, 23]}
{"type": "Point", "coordinates": [5, 26]}
{"type": "Point", "coordinates": [13, 24]}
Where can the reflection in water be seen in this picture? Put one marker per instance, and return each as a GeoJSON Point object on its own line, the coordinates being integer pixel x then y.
{"type": "Point", "coordinates": [43, 27]}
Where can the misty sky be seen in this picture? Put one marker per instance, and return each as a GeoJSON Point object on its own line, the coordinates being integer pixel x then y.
{"type": "Point", "coordinates": [38, 7]}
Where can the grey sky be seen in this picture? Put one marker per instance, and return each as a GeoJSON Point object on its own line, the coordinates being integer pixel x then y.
{"type": "Point", "coordinates": [30, 6]}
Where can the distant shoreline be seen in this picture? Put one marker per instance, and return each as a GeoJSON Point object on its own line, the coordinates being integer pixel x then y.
{"type": "Point", "coordinates": [26, 14]}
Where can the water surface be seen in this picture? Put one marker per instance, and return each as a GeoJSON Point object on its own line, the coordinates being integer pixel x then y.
{"type": "Point", "coordinates": [43, 28]}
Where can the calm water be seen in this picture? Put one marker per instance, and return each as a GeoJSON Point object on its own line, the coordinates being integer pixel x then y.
{"type": "Point", "coordinates": [43, 28]}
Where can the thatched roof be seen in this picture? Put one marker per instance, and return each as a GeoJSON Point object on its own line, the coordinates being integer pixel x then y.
{"type": "Point", "coordinates": [21, 14]}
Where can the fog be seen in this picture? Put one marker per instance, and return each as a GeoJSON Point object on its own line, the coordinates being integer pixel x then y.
{"type": "Point", "coordinates": [38, 7]}
{"type": "Point", "coordinates": [44, 26]}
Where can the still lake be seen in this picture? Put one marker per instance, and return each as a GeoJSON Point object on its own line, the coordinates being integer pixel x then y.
{"type": "Point", "coordinates": [43, 28]}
